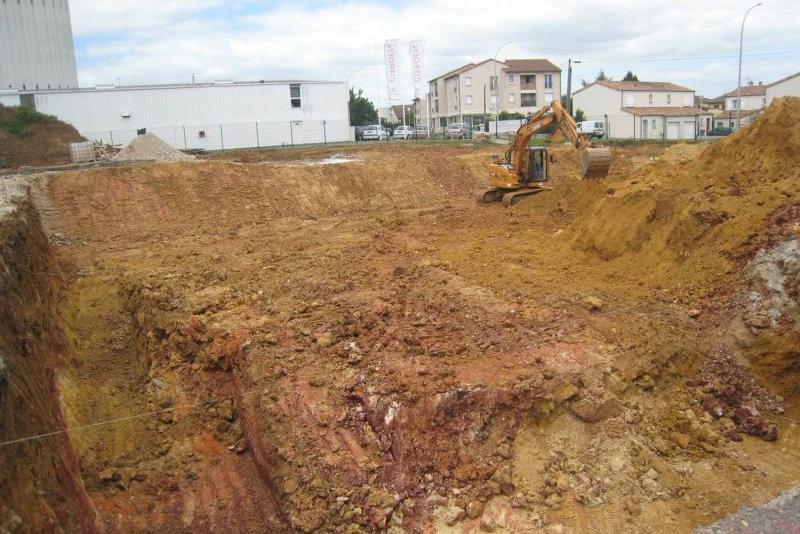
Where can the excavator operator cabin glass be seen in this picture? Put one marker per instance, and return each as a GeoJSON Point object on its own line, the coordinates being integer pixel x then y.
{"type": "Point", "coordinates": [536, 164]}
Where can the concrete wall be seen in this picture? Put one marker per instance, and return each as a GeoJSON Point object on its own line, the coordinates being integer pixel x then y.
{"type": "Point", "coordinates": [9, 99]}
{"type": "Point", "coordinates": [190, 116]}
{"type": "Point", "coordinates": [543, 95]}
{"type": "Point", "coordinates": [478, 78]}
{"type": "Point", "coordinates": [748, 102]}
{"type": "Point", "coordinates": [659, 99]}
{"type": "Point", "coordinates": [597, 102]}
{"type": "Point", "coordinates": [790, 87]}
{"type": "Point", "coordinates": [36, 48]}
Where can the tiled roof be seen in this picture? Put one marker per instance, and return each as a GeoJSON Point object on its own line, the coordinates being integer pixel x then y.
{"type": "Point", "coordinates": [665, 111]}
{"type": "Point", "coordinates": [642, 86]}
{"type": "Point", "coordinates": [530, 65]}
{"type": "Point", "coordinates": [748, 90]}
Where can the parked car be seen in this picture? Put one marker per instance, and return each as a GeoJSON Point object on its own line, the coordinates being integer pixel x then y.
{"type": "Point", "coordinates": [403, 132]}
{"type": "Point", "coordinates": [593, 128]}
{"type": "Point", "coordinates": [421, 133]}
{"type": "Point", "coordinates": [720, 131]}
{"type": "Point", "coordinates": [458, 130]}
{"type": "Point", "coordinates": [373, 132]}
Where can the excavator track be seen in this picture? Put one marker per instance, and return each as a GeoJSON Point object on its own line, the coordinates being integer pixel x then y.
{"type": "Point", "coordinates": [596, 162]}
{"type": "Point", "coordinates": [512, 198]}
{"type": "Point", "coordinates": [487, 196]}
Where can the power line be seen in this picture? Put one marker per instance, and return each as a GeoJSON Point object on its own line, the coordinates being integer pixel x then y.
{"type": "Point", "coordinates": [692, 58]}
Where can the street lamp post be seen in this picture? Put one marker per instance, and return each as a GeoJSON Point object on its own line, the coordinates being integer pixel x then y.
{"type": "Point", "coordinates": [497, 89]}
{"type": "Point", "coordinates": [569, 85]}
{"type": "Point", "coordinates": [739, 85]}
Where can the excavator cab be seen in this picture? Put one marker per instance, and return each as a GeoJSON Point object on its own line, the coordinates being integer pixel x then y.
{"type": "Point", "coordinates": [538, 160]}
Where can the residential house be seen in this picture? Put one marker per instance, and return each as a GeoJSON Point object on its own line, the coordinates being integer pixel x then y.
{"type": "Point", "coordinates": [755, 98]}
{"type": "Point", "coordinates": [789, 86]}
{"type": "Point", "coordinates": [643, 110]}
{"type": "Point", "coordinates": [713, 105]}
{"type": "Point", "coordinates": [474, 91]}
{"type": "Point", "coordinates": [421, 111]}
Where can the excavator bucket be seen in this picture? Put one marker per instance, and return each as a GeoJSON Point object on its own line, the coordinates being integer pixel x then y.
{"type": "Point", "coordinates": [596, 162]}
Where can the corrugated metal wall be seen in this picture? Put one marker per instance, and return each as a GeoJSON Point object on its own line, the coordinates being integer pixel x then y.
{"type": "Point", "coordinates": [207, 116]}
{"type": "Point", "coordinates": [36, 48]}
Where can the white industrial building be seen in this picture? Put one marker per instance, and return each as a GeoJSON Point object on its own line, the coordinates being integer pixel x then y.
{"type": "Point", "coordinates": [209, 116]}
{"type": "Point", "coordinates": [36, 48]}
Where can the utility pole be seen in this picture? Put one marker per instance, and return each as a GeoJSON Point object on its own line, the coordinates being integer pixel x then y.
{"type": "Point", "coordinates": [569, 85]}
{"type": "Point", "coordinates": [739, 84]}
{"type": "Point", "coordinates": [497, 90]}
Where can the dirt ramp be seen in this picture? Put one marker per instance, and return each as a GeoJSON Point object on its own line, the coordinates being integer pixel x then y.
{"type": "Point", "coordinates": [30, 138]}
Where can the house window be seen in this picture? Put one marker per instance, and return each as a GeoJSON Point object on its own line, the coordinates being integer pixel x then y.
{"type": "Point", "coordinates": [468, 81]}
{"type": "Point", "coordinates": [528, 79]}
{"type": "Point", "coordinates": [649, 99]}
{"type": "Point", "coordinates": [511, 98]}
{"type": "Point", "coordinates": [510, 79]}
{"type": "Point", "coordinates": [654, 124]}
{"type": "Point", "coordinates": [669, 99]}
{"type": "Point", "coordinates": [763, 101]}
{"type": "Point", "coordinates": [528, 100]}
{"type": "Point", "coordinates": [548, 81]}
{"type": "Point", "coordinates": [493, 83]}
{"type": "Point", "coordinates": [469, 100]}
{"type": "Point", "coordinates": [294, 94]}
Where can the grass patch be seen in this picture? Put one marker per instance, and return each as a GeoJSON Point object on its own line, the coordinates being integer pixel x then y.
{"type": "Point", "coordinates": [18, 120]}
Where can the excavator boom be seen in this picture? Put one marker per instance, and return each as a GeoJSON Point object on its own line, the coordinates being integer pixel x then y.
{"type": "Point", "coordinates": [517, 175]}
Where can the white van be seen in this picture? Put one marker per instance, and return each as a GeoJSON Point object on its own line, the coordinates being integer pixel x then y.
{"type": "Point", "coordinates": [593, 128]}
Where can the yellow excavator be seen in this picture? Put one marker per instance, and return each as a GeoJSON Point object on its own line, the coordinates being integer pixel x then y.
{"type": "Point", "coordinates": [523, 170]}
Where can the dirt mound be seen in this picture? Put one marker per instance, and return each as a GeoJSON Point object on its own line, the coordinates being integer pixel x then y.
{"type": "Point", "coordinates": [32, 139]}
{"type": "Point", "coordinates": [150, 147]}
{"type": "Point", "coordinates": [699, 211]}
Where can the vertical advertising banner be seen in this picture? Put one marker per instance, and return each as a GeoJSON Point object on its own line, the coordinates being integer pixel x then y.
{"type": "Point", "coordinates": [415, 51]}
{"type": "Point", "coordinates": [391, 55]}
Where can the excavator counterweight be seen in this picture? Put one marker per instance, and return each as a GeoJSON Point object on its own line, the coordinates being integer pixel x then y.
{"type": "Point", "coordinates": [524, 169]}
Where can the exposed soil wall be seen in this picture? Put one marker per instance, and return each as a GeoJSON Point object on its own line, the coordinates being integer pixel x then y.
{"type": "Point", "coordinates": [32, 139]}
{"type": "Point", "coordinates": [40, 485]}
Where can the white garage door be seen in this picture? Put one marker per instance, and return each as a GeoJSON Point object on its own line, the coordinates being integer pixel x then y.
{"type": "Point", "coordinates": [687, 132]}
{"type": "Point", "coordinates": [673, 130]}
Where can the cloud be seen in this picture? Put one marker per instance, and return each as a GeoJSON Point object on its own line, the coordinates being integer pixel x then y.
{"type": "Point", "coordinates": [162, 41]}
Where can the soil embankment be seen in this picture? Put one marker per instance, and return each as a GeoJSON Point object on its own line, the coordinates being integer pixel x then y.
{"type": "Point", "coordinates": [40, 482]}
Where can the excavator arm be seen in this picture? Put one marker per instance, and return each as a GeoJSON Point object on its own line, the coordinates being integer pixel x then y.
{"type": "Point", "coordinates": [596, 161]}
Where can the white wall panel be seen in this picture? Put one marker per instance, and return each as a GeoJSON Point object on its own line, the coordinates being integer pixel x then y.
{"type": "Point", "coordinates": [36, 47]}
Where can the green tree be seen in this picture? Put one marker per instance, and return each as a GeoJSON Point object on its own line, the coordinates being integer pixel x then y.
{"type": "Point", "coordinates": [505, 115]}
{"type": "Point", "coordinates": [600, 76]}
{"type": "Point", "coordinates": [580, 116]}
{"type": "Point", "coordinates": [362, 110]}
{"type": "Point", "coordinates": [630, 77]}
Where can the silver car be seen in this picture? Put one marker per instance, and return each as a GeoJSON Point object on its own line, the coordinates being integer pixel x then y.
{"type": "Point", "coordinates": [458, 130]}
{"type": "Point", "coordinates": [403, 132]}
{"type": "Point", "coordinates": [373, 132]}
{"type": "Point", "coordinates": [421, 133]}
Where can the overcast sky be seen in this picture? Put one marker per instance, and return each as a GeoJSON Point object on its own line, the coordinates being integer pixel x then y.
{"type": "Point", "coordinates": [689, 42]}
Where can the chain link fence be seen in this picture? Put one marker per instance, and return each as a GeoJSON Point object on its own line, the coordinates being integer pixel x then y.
{"type": "Point", "coordinates": [242, 135]}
